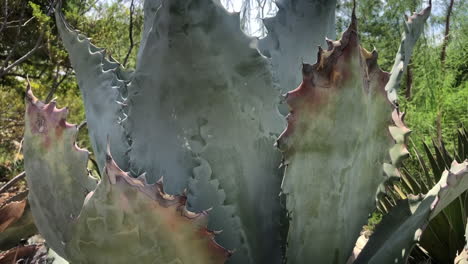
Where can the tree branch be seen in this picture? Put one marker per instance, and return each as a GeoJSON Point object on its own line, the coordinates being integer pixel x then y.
{"type": "Point", "coordinates": [5, 15]}
{"type": "Point", "coordinates": [55, 86]}
{"type": "Point", "coordinates": [443, 53]}
{"type": "Point", "coordinates": [409, 81]}
{"type": "Point", "coordinates": [12, 182]}
{"type": "Point", "coordinates": [18, 33]}
{"type": "Point", "coordinates": [5, 70]}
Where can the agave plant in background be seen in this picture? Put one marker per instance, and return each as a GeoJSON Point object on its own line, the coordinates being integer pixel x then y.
{"type": "Point", "coordinates": [185, 146]}
{"type": "Point", "coordinates": [444, 236]}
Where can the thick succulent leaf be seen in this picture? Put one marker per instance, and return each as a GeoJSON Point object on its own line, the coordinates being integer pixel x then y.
{"type": "Point", "coordinates": [297, 27]}
{"type": "Point", "coordinates": [445, 235]}
{"type": "Point", "coordinates": [414, 25]}
{"type": "Point", "coordinates": [395, 236]}
{"type": "Point", "coordinates": [200, 93]}
{"type": "Point", "coordinates": [462, 257]}
{"type": "Point", "coordinates": [126, 220]}
{"type": "Point", "coordinates": [222, 217]}
{"type": "Point", "coordinates": [334, 146]}
{"type": "Point", "coordinates": [55, 171]}
{"type": "Point", "coordinates": [103, 84]}
{"type": "Point", "coordinates": [360, 244]}
{"type": "Point", "coordinates": [150, 8]}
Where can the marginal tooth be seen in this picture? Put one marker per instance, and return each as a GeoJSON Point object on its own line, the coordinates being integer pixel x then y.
{"type": "Point", "coordinates": [329, 43]}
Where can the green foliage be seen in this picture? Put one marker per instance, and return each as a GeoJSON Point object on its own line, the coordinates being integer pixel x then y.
{"type": "Point", "coordinates": [48, 68]}
{"type": "Point", "coordinates": [107, 24]}
{"type": "Point", "coordinates": [447, 97]}
{"type": "Point", "coordinates": [437, 91]}
{"type": "Point", "coordinates": [373, 221]}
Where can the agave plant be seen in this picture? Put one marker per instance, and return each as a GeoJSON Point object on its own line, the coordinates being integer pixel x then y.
{"type": "Point", "coordinates": [185, 146]}
{"type": "Point", "coordinates": [445, 234]}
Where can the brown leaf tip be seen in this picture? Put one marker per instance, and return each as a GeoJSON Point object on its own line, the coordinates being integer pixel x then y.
{"type": "Point", "coordinates": [398, 118]}
{"type": "Point", "coordinates": [320, 80]}
{"type": "Point", "coordinates": [46, 118]}
{"type": "Point", "coordinates": [422, 14]}
{"type": "Point", "coordinates": [156, 193]}
{"type": "Point", "coordinates": [453, 177]}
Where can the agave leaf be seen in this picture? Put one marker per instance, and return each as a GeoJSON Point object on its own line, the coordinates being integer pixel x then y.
{"type": "Point", "coordinates": [117, 221]}
{"type": "Point", "coordinates": [436, 170]}
{"type": "Point", "coordinates": [297, 26]}
{"type": "Point", "coordinates": [462, 257]}
{"type": "Point", "coordinates": [444, 237]}
{"type": "Point", "coordinates": [189, 100]}
{"type": "Point", "coordinates": [413, 26]}
{"type": "Point", "coordinates": [103, 84]}
{"type": "Point", "coordinates": [334, 145]}
{"type": "Point", "coordinates": [395, 236]}
{"type": "Point", "coordinates": [127, 220]}
{"type": "Point", "coordinates": [446, 155]}
{"type": "Point", "coordinates": [422, 164]}
{"type": "Point", "coordinates": [200, 94]}
{"type": "Point", "coordinates": [55, 170]}
{"type": "Point", "coordinates": [462, 144]}
{"type": "Point", "coordinates": [150, 7]}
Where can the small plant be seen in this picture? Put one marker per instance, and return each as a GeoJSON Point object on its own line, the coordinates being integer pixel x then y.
{"type": "Point", "coordinates": [445, 236]}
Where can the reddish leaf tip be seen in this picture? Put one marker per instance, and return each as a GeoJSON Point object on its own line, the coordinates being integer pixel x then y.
{"type": "Point", "coordinates": [156, 193]}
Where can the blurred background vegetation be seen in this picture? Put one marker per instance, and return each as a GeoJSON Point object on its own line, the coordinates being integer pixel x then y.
{"type": "Point", "coordinates": [31, 48]}
{"type": "Point", "coordinates": [434, 92]}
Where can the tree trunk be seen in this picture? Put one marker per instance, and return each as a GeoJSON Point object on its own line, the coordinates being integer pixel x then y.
{"type": "Point", "coordinates": [409, 82]}
{"type": "Point", "coordinates": [443, 54]}
{"type": "Point", "coordinates": [439, 127]}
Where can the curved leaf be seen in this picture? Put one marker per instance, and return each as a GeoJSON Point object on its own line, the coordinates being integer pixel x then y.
{"type": "Point", "coordinates": [103, 87]}
{"type": "Point", "coordinates": [395, 236]}
{"type": "Point", "coordinates": [55, 171]}
{"type": "Point", "coordinates": [201, 94]}
{"type": "Point", "coordinates": [333, 147]}
{"type": "Point", "coordinates": [414, 25]}
{"type": "Point", "coordinates": [297, 27]}
{"type": "Point", "coordinates": [126, 220]}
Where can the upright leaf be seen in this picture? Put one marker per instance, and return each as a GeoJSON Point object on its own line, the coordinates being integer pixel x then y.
{"type": "Point", "coordinates": [201, 96]}
{"type": "Point", "coordinates": [103, 84]}
{"type": "Point", "coordinates": [126, 220]}
{"type": "Point", "coordinates": [413, 27]}
{"type": "Point", "coordinates": [402, 227]}
{"type": "Point", "coordinates": [334, 146]}
{"type": "Point", "coordinates": [297, 27]}
{"type": "Point", "coordinates": [55, 171]}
